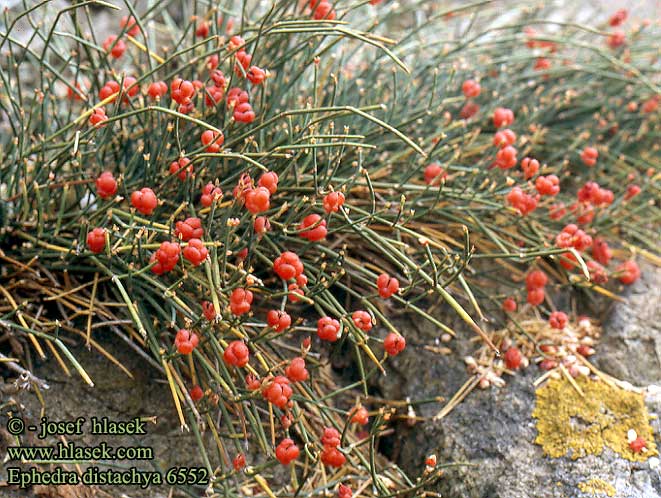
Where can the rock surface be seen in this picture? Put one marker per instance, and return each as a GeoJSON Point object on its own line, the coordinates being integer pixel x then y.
{"type": "Point", "coordinates": [488, 438]}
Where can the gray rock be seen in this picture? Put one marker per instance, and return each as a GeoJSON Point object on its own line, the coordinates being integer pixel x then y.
{"type": "Point", "coordinates": [488, 438]}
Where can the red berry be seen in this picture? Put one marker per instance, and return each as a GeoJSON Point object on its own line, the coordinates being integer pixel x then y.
{"type": "Point", "coordinates": [344, 491]}
{"type": "Point", "coordinates": [182, 168]}
{"type": "Point", "coordinates": [512, 358]}
{"type": "Point", "coordinates": [522, 202]}
{"type": "Point", "coordinates": [240, 301]}
{"type": "Point", "coordinates": [638, 444]}
{"type": "Point", "coordinates": [182, 91]}
{"type": "Point", "coordinates": [616, 39]}
{"type": "Point", "coordinates": [110, 88]}
{"type": "Point", "coordinates": [236, 96]}
{"type": "Point", "coordinates": [601, 252]}
{"type": "Point", "coordinates": [236, 42]}
{"type": "Point", "coordinates": [509, 305]}
{"type": "Point", "coordinates": [257, 200]}
{"type": "Point", "coordinates": [98, 117]}
{"type": "Point", "coordinates": [286, 452]}
{"type": "Point", "coordinates": [239, 462]}
{"type": "Point", "coordinates": [469, 110]}
{"type": "Point", "coordinates": [331, 437]}
{"type": "Point", "coordinates": [296, 371]}
{"type": "Point", "coordinates": [269, 180]}
{"type": "Point", "coordinates": [256, 75]}
{"type": "Point", "coordinates": [218, 77]}
{"type": "Point", "coordinates": [213, 140]}
{"type": "Point", "coordinates": [294, 293]}
{"type": "Point", "coordinates": [629, 272]}
{"type": "Point", "coordinates": [589, 156]}
{"type": "Point", "coordinates": [362, 320]}
{"type": "Point", "coordinates": [157, 89]}
{"type": "Point", "coordinates": [166, 258]}
{"type": "Point", "coordinates": [650, 105]}
{"type": "Point", "coordinates": [278, 320]}
{"type": "Point", "coordinates": [144, 200]}
{"type": "Point", "coordinates": [261, 225]}
{"type": "Point", "coordinates": [106, 185]}
{"type": "Point", "coordinates": [536, 279]}
{"type": "Point", "coordinates": [208, 310]}
{"type": "Point", "coordinates": [237, 354]}
{"type": "Point", "coordinates": [196, 393]}
{"type": "Point", "coordinates": [558, 320]}
{"type": "Point", "coordinates": [328, 329]}
{"type": "Point", "coordinates": [360, 416]}
{"type": "Point", "coordinates": [244, 113]}
{"type": "Point", "coordinates": [278, 391]}
{"type": "Point", "coordinates": [190, 228]}
{"type": "Point", "coordinates": [96, 240]}
{"type": "Point", "coordinates": [542, 64]}
{"type": "Point", "coordinates": [313, 234]}
{"type": "Point", "coordinates": [202, 30]}
{"type": "Point", "coordinates": [386, 285]}
{"type": "Point", "coordinates": [333, 201]}
{"type": "Point", "coordinates": [324, 10]}
{"type": "Point", "coordinates": [434, 174]}
{"type": "Point", "coordinates": [243, 60]}
{"type": "Point", "coordinates": [131, 25]}
{"type": "Point", "coordinates": [530, 167]}
{"type": "Point", "coordinates": [471, 88]}
{"type": "Point", "coordinates": [332, 457]}
{"type": "Point", "coordinates": [547, 185]}
{"type": "Point", "coordinates": [115, 47]}
{"type": "Point", "coordinates": [632, 191]}
{"type": "Point", "coordinates": [506, 157]}
{"type": "Point", "coordinates": [597, 272]}
{"type": "Point", "coordinates": [210, 193]}
{"type": "Point", "coordinates": [195, 252]}
{"type": "Point", "coordinates": [288, 265]}
{"type": "Point", "coordinates": [503, 138]}
{"type": "Point", "coordinates": [535, 296]}
{"type": "Point", "coordinates": [618, 17]}
{"type": "Point", "coordinates": [185, 341]}
{"type": "Point", "coordinates": [502, 117]}
{"type": "Point", "coordinates": [394, 344]}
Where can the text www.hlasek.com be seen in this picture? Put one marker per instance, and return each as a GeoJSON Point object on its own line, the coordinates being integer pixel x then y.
{"type": "Point", "coordinates": [72, 452]}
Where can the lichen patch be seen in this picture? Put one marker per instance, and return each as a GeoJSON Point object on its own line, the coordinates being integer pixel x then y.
{"type": "Point", "coordinates": [569, 424]}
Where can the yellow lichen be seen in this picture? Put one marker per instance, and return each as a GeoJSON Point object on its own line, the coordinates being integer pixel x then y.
{"type": "Point", "coordinates": [595, 486]}
{"type": "Point", "coordinates": [569, 424]}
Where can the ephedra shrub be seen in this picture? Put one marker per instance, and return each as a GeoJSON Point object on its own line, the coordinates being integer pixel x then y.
{"type": "Point", "coordinates": [260, 184]}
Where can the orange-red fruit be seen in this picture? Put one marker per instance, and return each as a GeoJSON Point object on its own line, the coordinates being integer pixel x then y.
{"type": "Point", "coordinates": [157, 89]}
{"type": "Point", "coordinates": [256, 75]}
{"type": "Point", "coordinates": [195, 252]}
{"type": "Point", "coordinates": [469, 110]}
{"type": "Point", "coordinates": [502, 117]}
{"type": "Point", "coordinates": [131, 25]}
{"type": "Point", "coordinates": [208, 310]}
{"type": "Point", "coordinates": [190, 228]}
{"type": "Point", "coordinates": [360, 416]}
{"type": "Point", "coordinates": [236, 354]}
{"type": "Point", "coordinates": [547, 185]}
{"type": "Point", "coordinates": [434, 174]}
{"type": "Point", "coordinates": [196, 393]}
{"type": "Point", "coordinates": [186, 341]}
{"type": "Point", "coordinates": [333, 201]}
{"type": "Point", "coordinates": [278, 391]}
{"type": "Point", "coordinates": [144, 200]}
{"type": "Point", "coordinates": [324, 10]}
{"type": "Point", "coordinates": [278, 320]}
{"type": "Point", "coordinates": [288, 265]}
{"type": "Point", "coordinates": [328, 329]}
{"type": "Point", "coordinates": [210, 193]}
{"type": "Point", "coordinates": [535, 296]}
{"type": "Point", "coordinates": [616, 39]}
{"type": "Point", "coordinates": [296, 371]}
{"type": "Point", "coordinates": [512, 358]}
{"type": "Point", "coordinates": [509, 305]}
{"type": "Point", "coordinates": [182, 168]}
{"type": "Point", "coordinates": [387, 285]}
{"type": "Point", "coordinates": [261, 225]}
{"type": "Point", "coordinates": [96, 240]}
{"type": "Point", "coordinates": [503, 138]}
{"type": "Point", "coordinates": [332, 457]}
{"type": "Point", "coordinates": [315, 234]}
{"type": "Point", "coordinates": [344, 491]}
{"type": "Point", "coordinates": [362, 319]}
{"type": "Point", "coordinates": [244, 113]}
{"type": "Point", "coordinates": [394, 344]}
{"type": "Point", "coordinates": [202, 30]}
{"type": "Point", "coordinates": [166, 257]}
{"type": "Point", "coordinates": [618, 17]}
{"type": "Point", "coordinates": [98, 117]}
{"type": "Point", "coordinates": [638, 444]}
{"type": "Point", "coordinates": [558, 320]}
{"type": "Point", "coordinates": [240, 301]}
{"type": "Point", "coordinates": [470, 88]}
{"type": "Point", "coordinates": [632, 191]}
{"type": "Point", "coordinates": [629, 272]}
{"type": "Point", "coordinates": [589, 156]}
{"type": "Point", "coordinates": [116, 49]}
{"type": "Point", "coordinates": [286, 452]}
{"type": "Point", "coordinates": [239, 462]}
{"type": "Point", "coordinates": [106, 185]}
{"type": "Point", "coordinates": [269, 180]}
{"type": "Point", "coordinates": [506, 157]}
{"type": "Point", "coordinates": [257, 200]}
{"type": "Point", "coordinates": [530, 167]}
{"type": "Point", "coordinates": [213, 140]}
